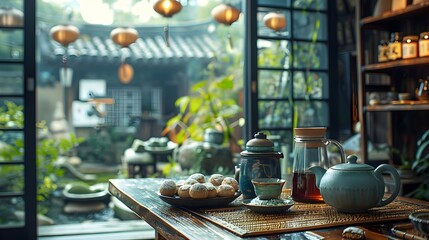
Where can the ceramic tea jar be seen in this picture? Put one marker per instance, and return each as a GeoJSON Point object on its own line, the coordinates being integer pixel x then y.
{"type": "Point", "coordinates": [355, 188]}
{"type": "Point", "coordinates": [259, 160]}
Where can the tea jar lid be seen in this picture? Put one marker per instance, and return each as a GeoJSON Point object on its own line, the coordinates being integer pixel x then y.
{"type": "Point", "coordinates": [352, 165]}
{"type": "Point", "coordinates": [260, 143]}
{"type": "Point", "coordinates": [316, 132]}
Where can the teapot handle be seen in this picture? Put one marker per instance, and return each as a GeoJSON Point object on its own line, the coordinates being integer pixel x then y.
{"type": "Point", "coordinates": [394, 174]}
{"type": "Point", "coordinates": [339, 146]}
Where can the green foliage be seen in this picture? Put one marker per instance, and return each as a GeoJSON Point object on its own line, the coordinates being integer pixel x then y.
{"type": "Point", "coordinates": [211, 104]}
{"type": "Point", "coordinates": [47, 153]}
{"type": "Point", "coordinates": [420, 166]}
{"type": "Point", "coordinates": [11, 115]}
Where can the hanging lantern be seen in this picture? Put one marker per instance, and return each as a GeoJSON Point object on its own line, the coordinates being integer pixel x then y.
{"type": "Point", "coordinates": [124, 37]}
{"type": "Point", "coordinates": [11, 17]}
{"type": "Point", "coordinates": [167, 8]}
{"type": "Point", "coordinates": [275, 21]}
{"type": "Point", "coordinates": [65, 34]}
{"type": "Point", "coordinates": [227, 15]}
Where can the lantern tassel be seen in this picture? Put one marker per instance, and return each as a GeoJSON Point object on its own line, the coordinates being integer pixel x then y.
{"type": "Point", "coordinates": [231, 45]}
{"type": "Point", "coordinates": [166, 36]}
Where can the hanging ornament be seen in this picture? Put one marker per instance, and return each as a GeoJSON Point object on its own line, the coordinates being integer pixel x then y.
{"type": "Point", "coordinates": [275, 21]}
{"type": "Point", "coordinates": [167, 8]}
{"type": "Point", "coordinates": [11, 17]}
{"type": "Point", "coordinates": [227, 15]}
{"type": "Point", "coordinates": [124, 37]}
{"type": "Point", "coordinates": [65, 34]}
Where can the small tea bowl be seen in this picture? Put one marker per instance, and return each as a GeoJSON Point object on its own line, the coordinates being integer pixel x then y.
{"type": "Point", "coordinates": [420, 221]}
{"type": "Point", "coordinates": [268, 188]}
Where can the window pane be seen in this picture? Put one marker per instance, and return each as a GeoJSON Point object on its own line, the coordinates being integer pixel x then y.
{"type": "Point", "coordinates": [273, 84]}
{"type": "Point", "coordinates": [12, 178]}
{"type": "Point", "coordinates": [274, 114]}
{"type": "Point", "coordinates": [312, 84]}
{"type": "Point", "coordinates": [264, 30]}
{"type": "Point", "coordinates": [11, 79]}
{"type": "Point", "coordinates": [279, 3]}
{"type": "Point", "coordinates": [312, 4]}
{"type": "Point", "coordinates": [273, 53]}
{"type": "Point", "coordinates": [11, 113]}
{"type": "Point", "coordinates": [9, 207]}
{"type": "Point", "coordinates": [312, 113]}
{"type": "Point", "coordinates": [12, 145]}
{"type": "Point", "coordinates": [310, 55]}
{"type": "Point", "coordinates": [309, 25]}
{"type": "Point", "coordinates": [11, 44]}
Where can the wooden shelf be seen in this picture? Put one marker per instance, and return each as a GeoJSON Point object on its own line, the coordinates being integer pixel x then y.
{"type": "Point", "coordinates": [375, 22]}
{"type": "Point", "coordinates": [397, 107]}
{"type": "Point", "coordinates": [402, 63]}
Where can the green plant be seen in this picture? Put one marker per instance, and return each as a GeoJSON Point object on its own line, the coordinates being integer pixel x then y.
{"type": "Point", "coordinates": [405, 162]}
{"type": "Point", "coordinates": [47, 153]}
{"type": "Point", "coordinates": [211, 104]}
{"type": "Point", "coordinates": [421, 167]}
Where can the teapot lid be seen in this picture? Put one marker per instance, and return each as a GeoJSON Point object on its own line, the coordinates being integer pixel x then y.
{"type": "Point", "coordinates": [352, 165]}
{"type": "Point", "coordinates": [260, 144]}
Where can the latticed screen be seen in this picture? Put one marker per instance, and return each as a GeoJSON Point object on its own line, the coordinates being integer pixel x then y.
{"type": "Point", "coordinates": [128, 102]}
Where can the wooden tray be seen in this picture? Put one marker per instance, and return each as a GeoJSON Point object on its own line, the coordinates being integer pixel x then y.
{"type": "Point", "coordinates": [302, 217]}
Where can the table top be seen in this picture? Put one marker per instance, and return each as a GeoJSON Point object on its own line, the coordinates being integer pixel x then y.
{"type": "Point", "coordinates": [140, 195]}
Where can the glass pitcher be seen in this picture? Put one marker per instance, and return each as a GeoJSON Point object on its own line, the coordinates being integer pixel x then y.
{"type": "Point", "coordinates": [310, 150]}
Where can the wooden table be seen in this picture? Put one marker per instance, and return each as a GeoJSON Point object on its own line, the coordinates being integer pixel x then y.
{"type": "Point", "coordinates": [176, 223]}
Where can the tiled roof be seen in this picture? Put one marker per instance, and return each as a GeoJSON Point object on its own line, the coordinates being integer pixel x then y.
{"type": "Point", "coordinates": [186, 43]}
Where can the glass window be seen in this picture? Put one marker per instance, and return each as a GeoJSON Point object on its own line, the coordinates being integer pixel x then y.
{"type": "Point", "coordinates": [310, 25]}
{"type": "Point", "coordinates": [275, 114]}
{"type": "Point", "coordinates": [312, 4]}
{"type": "Point", "coordinates": [310, 84]}
{"type": "Point", "coordinates": [8, 207]}
{"type": "Point", "coordinates": [11, 44]}
{"type": "Point", "coordinates": [265, 31]}
{"type": "Point", "coordinates": [274, 53]}
{"type": "Point", "coordinates": [11, 79]}
{"type": "Point", "coordinates": [310, 55]}
{"type": "Point", "coordinates": [279, 3]}
{"type": "Point", "coordinates": [312, 113]}
{"type": "Point", "coordinates": [293, 79]}
{"type": "Point", "coordinates": [274, 84]}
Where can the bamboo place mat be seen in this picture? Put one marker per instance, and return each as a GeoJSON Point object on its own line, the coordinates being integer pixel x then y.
{"type": "Point", "coordinates": [301, 217]}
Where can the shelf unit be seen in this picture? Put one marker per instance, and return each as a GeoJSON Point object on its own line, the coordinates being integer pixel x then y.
{"type": "Point", "coordinates": [401, 75]}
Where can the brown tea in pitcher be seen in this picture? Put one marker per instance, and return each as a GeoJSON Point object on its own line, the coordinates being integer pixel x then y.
{"type": "Point", "coordinates": [304, 187]}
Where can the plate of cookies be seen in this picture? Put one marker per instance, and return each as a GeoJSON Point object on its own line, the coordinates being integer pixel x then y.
{"type": "Point", "coordinates": [199, 191]}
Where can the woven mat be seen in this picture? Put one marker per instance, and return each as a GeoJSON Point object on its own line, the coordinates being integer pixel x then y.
{"type": "Point", "coordinates": [302, 216]}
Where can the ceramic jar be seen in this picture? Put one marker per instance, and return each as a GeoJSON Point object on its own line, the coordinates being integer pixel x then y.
{"type": "Point", "coordinates": [259, 160]}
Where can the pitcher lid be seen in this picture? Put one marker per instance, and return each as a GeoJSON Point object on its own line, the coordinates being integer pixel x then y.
{"type": "Point", "coordinates": [310, 132]}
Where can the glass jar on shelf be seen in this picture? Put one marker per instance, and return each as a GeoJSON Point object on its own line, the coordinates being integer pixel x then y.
{"type": "Point", "coordinates": [383, 51]}
{"type": "Point", "coordinates": [395, 46]}
{"type": "Point", "coordinates": [424, 44]}
{"type": "Point", "coordinates": [410, 47]}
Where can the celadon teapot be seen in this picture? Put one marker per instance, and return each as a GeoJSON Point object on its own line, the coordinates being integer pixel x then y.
{"type": "Point", "coordinates": [354, 188]}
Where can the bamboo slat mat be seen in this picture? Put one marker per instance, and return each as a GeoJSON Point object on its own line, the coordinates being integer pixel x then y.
{"type": "Point", "coordinates": [301, 217]}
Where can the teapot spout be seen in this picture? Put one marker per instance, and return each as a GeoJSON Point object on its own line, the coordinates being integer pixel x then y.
{"type": "Point", "coordinates": [318, 172]}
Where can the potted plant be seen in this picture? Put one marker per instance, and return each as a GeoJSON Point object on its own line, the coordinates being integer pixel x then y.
{"type": "Point", "coordinates": [212, 105]}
